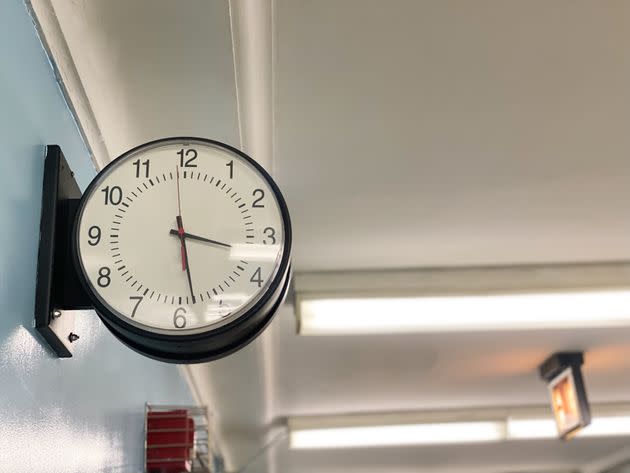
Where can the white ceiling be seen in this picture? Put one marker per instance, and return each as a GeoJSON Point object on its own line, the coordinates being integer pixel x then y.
{"type": "Point", "coordinates": [406, 134]}
{"type": "Point", "coordinates": [451, 132]}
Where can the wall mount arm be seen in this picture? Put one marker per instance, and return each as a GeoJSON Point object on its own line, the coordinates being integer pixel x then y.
{"type": "Point", "coordinates": [58, 288]}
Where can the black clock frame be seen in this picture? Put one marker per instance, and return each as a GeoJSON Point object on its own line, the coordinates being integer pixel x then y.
{"type": "Point", "coordinates": [189, 348]}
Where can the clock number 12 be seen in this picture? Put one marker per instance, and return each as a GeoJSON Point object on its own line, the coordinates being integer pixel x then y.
{"type": "Point", "coordinates": [190, 155]}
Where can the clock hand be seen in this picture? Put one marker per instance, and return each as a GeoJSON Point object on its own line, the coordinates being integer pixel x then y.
{"type": "Point", "coordinates": [182, 239]}
{"type": "Point", "coordinates": [198, 238]}
{"type": "Point", "coordinates": [180, 225]}
{"type": "Point", "coordinates": [180, 231]}
{"type": "Point", "coordinates": [192, 293]}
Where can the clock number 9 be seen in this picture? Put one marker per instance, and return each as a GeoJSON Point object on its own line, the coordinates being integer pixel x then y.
{"type": "Point", "coordinates": [191, 154]}
{"type": "Point", "coordinates": [103, 277]}
{"type": "Point", "coordinates": [271, 233]}
{"type": "Point", "coordinates": [178, 318]}
{"type": "Point", "coordinates": [95, 235]}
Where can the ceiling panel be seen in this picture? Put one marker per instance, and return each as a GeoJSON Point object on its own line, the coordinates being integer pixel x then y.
{"type": "Point", "coordinates": [503, 457]}
{"type": "Point", "coordinates": [328, 375]}
{"type": "Point", "coordinates": [447, 132]}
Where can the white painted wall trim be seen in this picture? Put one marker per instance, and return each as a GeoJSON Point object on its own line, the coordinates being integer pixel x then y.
{"type": "Point", "coordinates": [45, 19]}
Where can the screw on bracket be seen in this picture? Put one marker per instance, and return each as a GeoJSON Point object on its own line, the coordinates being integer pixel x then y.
{"type": "Point", "coordinates": [56, 314]}
{"type": "Point", "coordinates": [73, 337]}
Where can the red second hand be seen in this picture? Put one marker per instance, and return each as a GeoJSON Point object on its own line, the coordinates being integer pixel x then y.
{"type": "Point", "coordinates": [180, 224]}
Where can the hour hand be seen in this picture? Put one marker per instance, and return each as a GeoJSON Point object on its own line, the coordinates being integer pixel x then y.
{"type": "Point", "coordinates": [198, 238]}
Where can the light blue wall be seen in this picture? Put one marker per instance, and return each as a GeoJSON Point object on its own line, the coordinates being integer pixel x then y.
{"type": "Point", "coordinates": [79, 415]}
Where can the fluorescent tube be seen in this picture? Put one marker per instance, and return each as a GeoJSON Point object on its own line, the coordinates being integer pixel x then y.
{"type": "Point", "coordinates": [604, 426]}
{"type": "Point", "coordinates": [607, 427]}
{"type": "Point", "coordinates": [525, 429]}
{"type": "Point", "coordinates": [378, 315]}
{"type": "Point", "coordinates": [398, 435]}
{"type": "Point", "coordinates": [436, 433]}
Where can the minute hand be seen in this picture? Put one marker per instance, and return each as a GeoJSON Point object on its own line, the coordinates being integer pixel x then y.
{"type": "Point", "coordinates": [198, 238]}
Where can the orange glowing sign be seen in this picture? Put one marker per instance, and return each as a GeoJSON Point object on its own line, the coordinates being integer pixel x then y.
{"type": "Point", "coordinates": [569, 403]}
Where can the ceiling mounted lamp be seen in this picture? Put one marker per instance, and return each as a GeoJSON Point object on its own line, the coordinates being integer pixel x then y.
{"type": "Point", "coordinates": [447, 428]}
{"type": "Point", "coordinates": [464, 300]}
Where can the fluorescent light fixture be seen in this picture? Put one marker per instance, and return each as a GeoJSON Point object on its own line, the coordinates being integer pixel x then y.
{"type": "Point", "coordinates": [398, 435]}
{"type": "Point", "coordinates": [605, 426]}
{"type": "Point", "coordinates": [468, 313]}
{"type": "Point", "coordinates": [528, 429]}
{"type": "Point", "coordinates": [483, 426]}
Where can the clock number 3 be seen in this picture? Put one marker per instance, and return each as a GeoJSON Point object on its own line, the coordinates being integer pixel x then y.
{"type": "Point", "coordinates": [179, 320]}
{"type": "Point", "coordinates": [271, 233]}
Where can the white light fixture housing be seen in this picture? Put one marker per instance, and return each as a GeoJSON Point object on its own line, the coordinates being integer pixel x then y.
{"type": "Point", "coordinates": [463, 300]}
{"type": "Point", "coordinates": [444, 428]}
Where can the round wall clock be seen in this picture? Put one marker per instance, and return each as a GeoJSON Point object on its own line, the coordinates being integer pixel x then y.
{"type": "Point", "coordinates": [183, 245]}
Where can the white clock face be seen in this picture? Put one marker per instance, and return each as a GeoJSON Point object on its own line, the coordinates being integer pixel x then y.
{"type": "Point", "coordinates": [180, 237]}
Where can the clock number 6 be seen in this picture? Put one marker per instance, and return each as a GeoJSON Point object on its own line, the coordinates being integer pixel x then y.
{"type": "Point", "coordinates": [178, 318]}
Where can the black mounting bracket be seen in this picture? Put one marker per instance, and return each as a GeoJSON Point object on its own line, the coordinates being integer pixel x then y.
{"type": "Point", "coordinates": [558, 362]}
{"type": "Point", "coordinates": [58, 288]}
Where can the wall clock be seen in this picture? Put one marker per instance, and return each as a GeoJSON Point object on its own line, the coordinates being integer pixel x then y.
{"type": "Point", "coordinates": [181, 245]}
